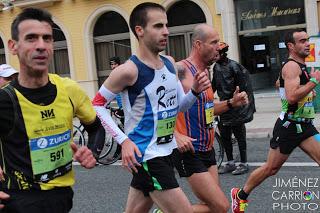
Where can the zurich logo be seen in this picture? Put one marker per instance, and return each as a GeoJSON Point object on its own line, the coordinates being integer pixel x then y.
{"type": "Point", "coordinates": [164, 115]}
{"type": "Point", "coordinates": [42, 143]}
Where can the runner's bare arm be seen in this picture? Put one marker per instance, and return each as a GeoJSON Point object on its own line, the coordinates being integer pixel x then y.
{"type": "Point", "coordinates": [238, 99]}
{"type": "Point", "coordinates": [294, 91]}
{"type": "Point", "coordinates": [121, 77]}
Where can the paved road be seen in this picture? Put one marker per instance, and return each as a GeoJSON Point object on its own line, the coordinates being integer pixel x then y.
{"type": "Point", "coordinates": [104, 189]}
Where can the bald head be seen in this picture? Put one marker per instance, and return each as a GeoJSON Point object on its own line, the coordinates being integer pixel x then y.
{"type": "Point", "coordinates": [205, 44]}
{"type": "Point", "coordinates": [201, 32]}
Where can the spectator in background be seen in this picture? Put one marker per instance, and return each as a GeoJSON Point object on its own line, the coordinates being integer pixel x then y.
{"type": "Point", "coordinates": [115, 62]}
{"type": "Point", "coordinates": [7, 74]}
{"type": "Point", "coordinates": [227, 75]}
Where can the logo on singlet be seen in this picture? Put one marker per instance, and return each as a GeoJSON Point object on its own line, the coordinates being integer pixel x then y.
{"type": "Point", "coordinates": [47, 114]}
{"type": "Point", "coordinates": [164, 78]}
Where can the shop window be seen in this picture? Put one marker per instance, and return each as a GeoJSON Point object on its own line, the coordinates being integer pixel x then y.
{"type": "Point", "coordinates": [182, 17]}
{"type": "Point", "coordinates": [2, 53]}
{"type": "Point", "coordinates": [111, 38]}
{"type": "Point", "coordinates": [60, 62]}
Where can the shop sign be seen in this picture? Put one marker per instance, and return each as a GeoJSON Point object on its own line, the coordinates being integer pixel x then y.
{"type": "Point", "coordinates": [256, 14]}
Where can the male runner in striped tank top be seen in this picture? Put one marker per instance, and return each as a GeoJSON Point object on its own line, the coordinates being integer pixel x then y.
{"type": "Point", "coordinates": [194, 130]}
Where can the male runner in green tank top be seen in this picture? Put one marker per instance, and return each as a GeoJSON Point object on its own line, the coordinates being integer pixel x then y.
{"type": "Point", "coordinates": [294, 126]}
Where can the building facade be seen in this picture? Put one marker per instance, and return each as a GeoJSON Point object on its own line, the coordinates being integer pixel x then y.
{"type": "Point", "coordinates": [88, 32]}
{"type": "Point", "coordinates": [255, 30]}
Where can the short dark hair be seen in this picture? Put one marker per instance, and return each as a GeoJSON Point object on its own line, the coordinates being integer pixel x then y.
{"type": "Point", "coordinates": [115, 59]}
{"type": "Point", "coordinates": [27, 14]}
{"type": "Point", "coordinates": [288, 38]}
{"type": "Point", "coordinates": [138, 16]}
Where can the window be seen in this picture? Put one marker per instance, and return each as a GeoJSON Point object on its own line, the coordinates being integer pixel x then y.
{"type": "Point", "coordinates": [111, 38]}
{"type": "Point", "coordinates": [179, 45]}
{"type": "Point", "coordinates": [60, 62]}
{"type": "Point", "coordinates": [182, 17]}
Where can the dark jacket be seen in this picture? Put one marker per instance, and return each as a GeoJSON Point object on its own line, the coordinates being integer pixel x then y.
{"type": "Point", "coordinates": [227, 74]}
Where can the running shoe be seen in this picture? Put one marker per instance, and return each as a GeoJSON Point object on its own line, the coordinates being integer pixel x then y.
{"type": "Point", "coordinates": [238, 206]}
{"type": "Point", "coordinates": [241, 169]}
{"type": "Point", "coordinates": [227, 168]}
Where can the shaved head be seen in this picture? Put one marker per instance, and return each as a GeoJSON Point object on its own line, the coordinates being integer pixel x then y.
{"type": "Point", "coordinates": [205, 44]}
{"type": "Point", "coordinates": [201, 32]}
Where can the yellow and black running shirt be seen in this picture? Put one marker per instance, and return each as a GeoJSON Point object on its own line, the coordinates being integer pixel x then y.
{"type": "Point", "coordinates": [37, 154]}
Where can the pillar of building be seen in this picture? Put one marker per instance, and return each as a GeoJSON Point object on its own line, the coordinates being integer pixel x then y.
{"type": "Point", "coordinates": [311, 11]}
{"type": "Point", "coordinates": [230, 35]}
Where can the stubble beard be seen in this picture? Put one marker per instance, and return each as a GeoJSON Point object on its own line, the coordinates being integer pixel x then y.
{"type": "Point", "coordinates": [37, 73]}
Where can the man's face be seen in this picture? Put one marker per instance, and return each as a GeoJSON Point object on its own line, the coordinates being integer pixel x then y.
{"type": "Point", "coordinates": [34, 47]}
{"type": "Point", "coordinates": [302, 45]}
{"type": "Point", "coordinates": [113, 65]}
{"type": "Point", "coordinates": [3, 81]}
{"type": "Point", "coordinates": [155, 34]}
{"type": "Point", "coordinates": [209, 49]}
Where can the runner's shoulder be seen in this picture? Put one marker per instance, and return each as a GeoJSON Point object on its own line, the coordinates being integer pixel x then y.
{"type": "Point", "coordinates": [291, 67]}
{"type": "Point", "coordinates": [127, 70]}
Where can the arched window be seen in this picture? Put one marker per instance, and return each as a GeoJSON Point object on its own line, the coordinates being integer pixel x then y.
{"type": "Point", "coordinates": [2, 53]}
{"type": "Point", "coordinates": [60, 63]}
{"type": "Point", "coordinates": [111, 38]}
{"type": "Point", "coordinates": [182, 17]}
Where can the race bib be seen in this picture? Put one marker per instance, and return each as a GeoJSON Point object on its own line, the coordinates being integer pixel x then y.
{"type": "Point", "coordinates": [51, 156]}
{"type": "Point", "coordinates": [209, 112]}
{"type": "Point", "coordinates": [306, 107]}
{"type": "Point", "coordinates": [166, 124]}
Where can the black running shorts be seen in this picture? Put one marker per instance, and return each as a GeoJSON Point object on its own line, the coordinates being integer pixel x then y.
{"type": "Point", "coordinates": [57, 200]}
{"type": "Point", "coordinates": [188, 163]}
{"type": "Point", "coordinates": [287, 138]}
{"type": "Point", "coordinates": [155, 174]}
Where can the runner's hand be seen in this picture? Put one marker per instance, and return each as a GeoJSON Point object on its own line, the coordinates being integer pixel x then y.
{"type": "Point", "coordinates": [84, 156]}
{"type": "Point", "coordinates": [1, 175]}
{"type": "Point", "coordinates": [315, 74]}
{"type": "Point", "coordinates": [128, 151]}
{"type": "Point", "coordinates": [239, 98]}
{"type": "Point", "coordinates": [184, 142]}
{"type": "Point", "coordinates": [3, 196]}
{"type": "Point", "coordinates": [201, 82]}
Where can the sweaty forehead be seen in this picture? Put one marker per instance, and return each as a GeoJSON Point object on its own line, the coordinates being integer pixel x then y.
{"type": "Point", "coordinates": [156, 16]}
{"type": "Point", "coordinates": [298, 36]}
{"type": "Point", "coordinates": [212, 34]}
{"type": "Point", "coordinates": [31, 26]}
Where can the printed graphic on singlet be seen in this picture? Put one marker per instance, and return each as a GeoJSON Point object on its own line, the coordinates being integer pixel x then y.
{"type": "Point", "coordinates": [305, 107]}
{"type": "Point", "coordinates": [167, 111]}
{"type": "Point", "coordinates": [166, 124]}
{"type": "Point", "coordinates": [51, 156]}
{"type": "Point", "coordinates": [209, 114]}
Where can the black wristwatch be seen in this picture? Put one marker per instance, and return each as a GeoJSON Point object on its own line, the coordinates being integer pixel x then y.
{"type": "Point", "coordinates": [229, 104]}
{"type": "Point", "coordinates": [195, 93]}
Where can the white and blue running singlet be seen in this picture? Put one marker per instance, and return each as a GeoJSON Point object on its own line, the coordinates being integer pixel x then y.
{"type": "Point", "coordinates": [150, 108]}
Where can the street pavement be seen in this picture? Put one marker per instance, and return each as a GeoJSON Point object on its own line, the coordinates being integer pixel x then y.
{"type": "Point", "coordinates": [296, 188]}
{"type": "Point", "coordinates": [104, 189]}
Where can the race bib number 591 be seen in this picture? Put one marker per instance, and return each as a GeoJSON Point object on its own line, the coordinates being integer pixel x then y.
{"type": "Point", "coordinates": [51, 156]}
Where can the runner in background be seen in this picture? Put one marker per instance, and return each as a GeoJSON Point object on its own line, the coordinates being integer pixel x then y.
{"type": "Point", "coordinates": [294, 127]}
